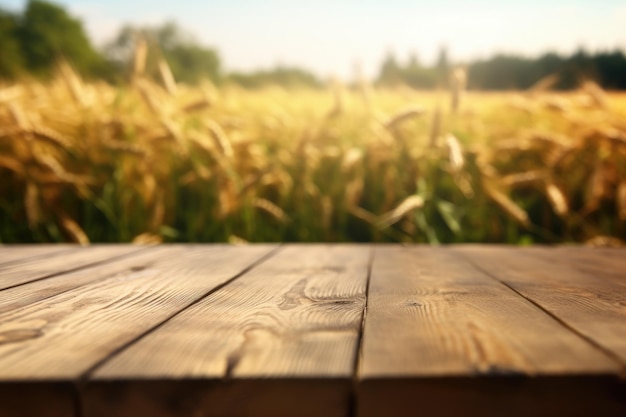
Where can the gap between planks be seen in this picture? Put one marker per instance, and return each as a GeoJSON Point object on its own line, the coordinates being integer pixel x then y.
{"type": "Point", "coordinates": [471, 254]}
{"type": "Point", "coordinates": [292, 322]}
{"type": "Point", "coordinates": [101, 295]}
{"type": "Point", "coordinates": [63, 262]}
{"type": "Point", "coordinates": [87, 374]}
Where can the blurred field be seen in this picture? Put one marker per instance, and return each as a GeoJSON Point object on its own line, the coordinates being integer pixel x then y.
{"type": "Point", "coordinates": [157, 161]}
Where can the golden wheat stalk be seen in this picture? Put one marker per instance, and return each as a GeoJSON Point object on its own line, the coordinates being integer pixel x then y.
{"type": "Point", "coordinates": [595, 92]}
{"type": "Point", "coordinates": [42, 133]}
{"type": "Point", "coordinates": [75, 233]}
{"type": "Point", "coordinates": [351, 158]}
{"type": "Point", "coordinates": [507, 204]}
{"type": "Point", "coordinates": [18, 116]}
{"type": "Point", "coordinates": [544, 83]}
{"type": "Point", "coordinates": [11, 93]}
{"type": "Point", "coordinates": [596, 188]}
{"type": "Point", "coordinates": [48, 135]}
{"type": "Point", "coordinates": [74, 83]}
{"type": "Point", "coordinates": [557, 199]}
{"type": "Point", "coordinates": [354, 191]}
{"type": "Point", "coordinates": [455, 155]}
{"type": "Point", "coordinates": [32, 205]}
{"type": "Point", "coordinates": [435, 128]}
{"type": "Point", "coordinates": [236, 240]}
{"type": "Point", "coordinates": [326, 212]}
{"type": "Point", "coordinates": [272, 209]}
{"type": "Point", "coordinates": [12, 165]}
{"type": "Point", "coordinates": [197, 105]}
{"type": "Point", "coordinates": [150, 98]}
{"type": "Point", "coordinates": [147, 239]}
{"type": "Point", "coordinates": [402, 116]}
{"type": "Point", "coordinates": [220, 138]}
{"type": "Point", "coordinates": [406, 206]}
{"type": "Point", "coordinates": [363, 214]}
{"type": "Point", "coordinates": [458, 83]}
{"type": "Point", "coordinates": [522, 179]}
{"type": "Point", "coordinates": [139, 57]}
{"type": "Point", "coordinates": [167, 77]}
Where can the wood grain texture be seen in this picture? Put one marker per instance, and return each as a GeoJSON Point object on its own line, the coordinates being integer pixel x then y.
{"type": "Point", "coordinates": [32, 269]}
{"type": "Point", "coordinates": [593, 304]}
{"type": "Point", "coordinates": [33, 292]}
{"type": "Point", "coordinates": [602, 263]}
{"type": "Point", "coordinates": [17, 253]}
{"type": "Point", "coordinates": [63, 336]}
{"type": "Point", "coordinates": [432, 317]}
{"type": "Point", "coordinates": [292, 323]}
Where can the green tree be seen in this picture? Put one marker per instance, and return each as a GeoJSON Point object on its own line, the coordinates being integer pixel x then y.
{"type": "Point", "coordinates": [11, 61]}
{"type": "Point", "coordinates": [47, 32]}
{"type": "Point", "coordinates": [190, 62]}
{"type": "Point", "coordinates": [443, 67]}
{"type": "Point", "coordinates": [281, 75]}
{"type": "Point", "coordinates": [390, 71]}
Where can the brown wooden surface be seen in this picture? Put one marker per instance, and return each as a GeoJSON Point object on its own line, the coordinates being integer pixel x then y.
{"type": "Point", "coordinates": [591, 304]}
{"type": "Point", "coordinates": [311, 330]}
{"type": "Point", "coordinates": [34, 268]}
{"type": "Point", "coordinates": [296, 316]}
{"type": "Point", "coordinates": [433, 317]}
{"type": "Point", "coordinates": [17, 253]}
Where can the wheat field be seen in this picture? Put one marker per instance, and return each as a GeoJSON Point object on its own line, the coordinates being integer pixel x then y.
{"type": "Point", "coordinates": [156, 161]}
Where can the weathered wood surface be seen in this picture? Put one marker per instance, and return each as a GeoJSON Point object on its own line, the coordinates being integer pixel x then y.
{"type": "Point", "coordinates": [590, 302]}
{"type": "Point", "coordinates": [311, 330]}
{"type": "Point", "coordinates": [17, 253]}
{"type": "Point", "coordinates": [296, 316]}
{"type": "Point", "coordinates": [35, 268]}
{"type": "Point", "coordinates": [432, 317]}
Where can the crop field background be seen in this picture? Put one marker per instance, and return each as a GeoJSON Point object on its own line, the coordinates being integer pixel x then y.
{"type": "Point", "coordinates": [156, 161]}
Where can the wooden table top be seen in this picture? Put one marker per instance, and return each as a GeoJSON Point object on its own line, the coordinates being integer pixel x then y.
{"type": "Point", "coordinates": [312, 330]}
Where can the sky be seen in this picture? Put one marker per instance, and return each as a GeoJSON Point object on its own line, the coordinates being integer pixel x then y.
{"type": "Point", "coordinates": [332, 38]}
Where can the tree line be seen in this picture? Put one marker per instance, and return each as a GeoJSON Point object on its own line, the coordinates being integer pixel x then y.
{"type": "Point", "coordinates": [33, 42]}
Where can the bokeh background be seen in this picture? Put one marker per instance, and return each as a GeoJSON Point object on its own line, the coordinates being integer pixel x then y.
{"type": "Point", "coordinates": [248, 121]}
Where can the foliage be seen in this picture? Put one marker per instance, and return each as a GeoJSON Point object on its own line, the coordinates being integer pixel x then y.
{"type": "Point", "coordinates": [281, 76]}
{"type": "Point", "coordinates": [413, 74]}
{"type": "Point", "coordinates": [512, 72]}
{"type": "Point", "coordinates": [45, 33]}
{"type": "Point", "coordinates": [189, 61]}
{"type": "Point", "coordinates": [11, 61]}
{"type": "Point", "coordinates": [508, 72]}
{"type": "Point", "coordinates": [33, 42]}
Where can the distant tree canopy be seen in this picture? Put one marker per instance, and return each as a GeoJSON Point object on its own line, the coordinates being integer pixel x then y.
{"type": "Point", "coordinates": [281, 75]}
{"type": "Point", "coordinates": [37, 39]}
{"type": "Point", "coordinates": [32, 42]}
{"type": "Point", "coordinates": [413, 74]}
{"type": "Point", "coordinates": [509, 72]}
{"type": "Point", "coordinates": [11, 59]}
{"type": "Point", "coordinates": [189, 61]}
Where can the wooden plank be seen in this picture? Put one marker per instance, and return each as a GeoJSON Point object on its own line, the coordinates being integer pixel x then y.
{"type": "Point", "coordinates": [37, 399]}
{"type": "Point", "coordinates": [32, 269]}
{"type": "Point", "coordinates": [442, 338]}
{"type": "Point", "coordinates": [30, 293]}
{"type": "Point", "coordinates": [592, 306]}
{"type": "Point", "coordinates": [279, 341]}
{"type": "Point", "coordinates": [62, 337]}
{"type": "Point", "coordinates": [17, 253]}
{"type": "Point", "coordinates": [601, 263]}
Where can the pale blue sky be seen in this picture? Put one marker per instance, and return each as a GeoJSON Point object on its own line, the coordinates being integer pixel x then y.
{"type": "Point", "coordinates": [329, 37]}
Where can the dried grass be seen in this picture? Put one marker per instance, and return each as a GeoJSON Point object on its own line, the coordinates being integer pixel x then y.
{"type": "Point", "coordinates": [217, 164]}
